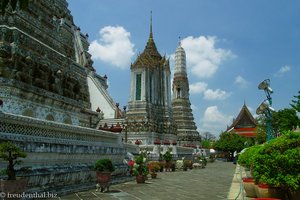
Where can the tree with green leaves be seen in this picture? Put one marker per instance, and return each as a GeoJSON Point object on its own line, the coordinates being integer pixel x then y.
{"type": "Point", "coordinates": [284, 120]}
{"type": "Point", "coordinates": [296, 102]}
{"type": "Point", "coordinates": [208, 140]}
{"type": "Point", "coordinates": [11, 153]}
{"type": "Point", "coordinates": [231, 142]}
{"type": "Point", "coordinates": [261, 130]}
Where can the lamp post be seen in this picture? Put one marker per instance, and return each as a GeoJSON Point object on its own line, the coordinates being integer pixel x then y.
{"type": "Point", "coordinates": [266, 106]}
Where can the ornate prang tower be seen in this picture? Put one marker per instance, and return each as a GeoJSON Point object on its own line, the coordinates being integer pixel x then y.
{"type": "Point", "coordinates": [49, 94]}
{"type": "Point", "coordinates": [44, 64]}
{"type": "Point", "coordinates": [149, 113]}
{"type": "Point", "coordinates": [182, 112]}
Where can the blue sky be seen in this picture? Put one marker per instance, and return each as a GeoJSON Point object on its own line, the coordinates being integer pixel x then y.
{"type": "Point", "coordinates": [231, 47]}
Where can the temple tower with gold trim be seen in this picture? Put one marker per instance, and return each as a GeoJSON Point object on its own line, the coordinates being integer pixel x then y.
{"type": "Point", "coordinates": [149, 115]}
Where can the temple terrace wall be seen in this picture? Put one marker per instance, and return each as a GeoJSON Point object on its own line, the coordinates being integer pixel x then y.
{"type": "Point", "coordinates": [61, 156]}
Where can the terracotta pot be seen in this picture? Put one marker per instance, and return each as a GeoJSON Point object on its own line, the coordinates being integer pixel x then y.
{"type": "Point", "coordinates": [295, 194]}
{"type": "Point", "coordinates": [263, 191]}
{"type": "Point", "coordinates": [103, 179]}
{"type": "Point", "coordinates": [249, 185]}
{"type": "Point", "coordinates": [140, 179]}
{"type": "Point", "coordinates": [14, 186]}
{"type": "Point", "coordinates": [276, 192]}
{"type": "Point", "coordinates": [256, 189]}
{"type": "Point", "coordinates": [153, 175]}
{"type": "Point", "coordinates": [168, 166]}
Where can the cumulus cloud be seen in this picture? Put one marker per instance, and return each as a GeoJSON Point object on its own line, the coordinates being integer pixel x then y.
{"type": "Point", "coordinates": [198, 87]}
{"type": "Point", "coordinates": [203, 58]}
{"type": "Point", "coordinates": [113, 46]}
{"type": "Point", "coordinates": [217, 94]}
{"type": "Point", "coordinates": [209, 94]}
{"type": "Point", "coordinates": [283, 70]}
{"type": "Point", "coordinates": [214, 120]}
{"type": "Point", "coordinates": [241, 82]}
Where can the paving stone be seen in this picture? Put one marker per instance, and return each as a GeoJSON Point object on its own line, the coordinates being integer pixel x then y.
{"type": "Point", "coordinates": [210, 183]}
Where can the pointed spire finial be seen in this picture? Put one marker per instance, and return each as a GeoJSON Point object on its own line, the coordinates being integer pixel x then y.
{"type": "Point", "coordinates": [151, 34]}
{"type": "Point", "coordinates": [179, 43]}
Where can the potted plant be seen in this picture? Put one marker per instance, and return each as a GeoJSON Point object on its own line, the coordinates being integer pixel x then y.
{"type": "Point", "coordinates": [203, 161]}
{"type": "Point", "coordinates": [187, 164]}
{"type": "Point", "coordinates": [277, 164]}
{"type": "Point", "coordinates": [153, 167]}
{"type": "Point", "coordinates": [139, 169]}
{"type": "Point", "coordinates": [246, 159]}
{"type": "Point", "coordinates": [162, 165]}
{"type": "Point", "coordinates": [130, 164]}
{"type": "Point", "coordinates": [11, 153]}
{"type": "Point", "coordinates": [168, 157]}
{"type": "Point", "coordinates": [104, 167]}
{"type": "Point", "coordinates": [173, 166]}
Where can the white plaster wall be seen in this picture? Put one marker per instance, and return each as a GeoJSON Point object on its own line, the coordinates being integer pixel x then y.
{"type": "Point", "coordinates": [98, 99]}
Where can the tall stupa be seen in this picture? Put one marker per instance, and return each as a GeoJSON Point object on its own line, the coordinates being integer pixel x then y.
{"type": "Point", "coordinates": [187, 134]}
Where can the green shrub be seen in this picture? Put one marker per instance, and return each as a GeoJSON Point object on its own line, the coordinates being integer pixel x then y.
{"type": "Point", "coordinates": [10, 153]}
{"type": "Point", "coordinates": [278, 162]}
{"type": "Point", "coordinates": [246, 159]}
{"type": "Point", "coordinates": [167, 156]}
{"type": "Point", "coordinates": [104, 165]}
{"type": "Point", "coordinates": [203, 159]}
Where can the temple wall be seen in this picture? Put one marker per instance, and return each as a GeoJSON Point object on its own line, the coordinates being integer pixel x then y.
{"type": "Point", "coordinates": [61, 156]}
{"type": "Point", "coordinates": [99, 97]}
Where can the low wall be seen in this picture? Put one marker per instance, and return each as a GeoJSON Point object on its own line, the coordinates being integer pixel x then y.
{"type": "Point", "coordinates": [61, 156]}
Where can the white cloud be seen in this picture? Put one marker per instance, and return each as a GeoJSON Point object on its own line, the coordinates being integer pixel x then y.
{"type": "Point", "coordinates": [217, 94]}
{"type": "Point", "coordinates": [215, 121]}
{"type": "Point", "coordinates": [241, 82]}
{"type": "Point", "coordinates": [209, 94]}
{"type": "Point", "coordinates": [203, 58]}
{"type": "Point", "coordinates": [284, 69]}
{"type": "Point", "coordinates": [198, 87]}
{"type": "Point", "coordinates": [113, 47]}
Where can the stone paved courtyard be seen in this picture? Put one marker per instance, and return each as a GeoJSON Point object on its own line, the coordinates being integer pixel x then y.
{"type": "Point", "coordinates": [210, 183]}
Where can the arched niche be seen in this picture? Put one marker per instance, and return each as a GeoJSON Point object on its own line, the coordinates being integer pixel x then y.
{"type": "Point", "coordinates": [28, 112]}
{"type": "Point", "coordinates": [50, 117]}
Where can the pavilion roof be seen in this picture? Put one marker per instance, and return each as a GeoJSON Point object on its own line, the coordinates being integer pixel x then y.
{"type": "Point", "coordinates": [243, 120]}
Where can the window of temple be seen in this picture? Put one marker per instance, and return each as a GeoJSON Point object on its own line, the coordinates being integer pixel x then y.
{"type": "Point", "coordinates": [28, 112]}
{"type": "Point", "coordinates": [138, 87]}
{"type": "Point", "coordinates": [178, 93]}
{"type": "Point", "coordinates": [50, 117]}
